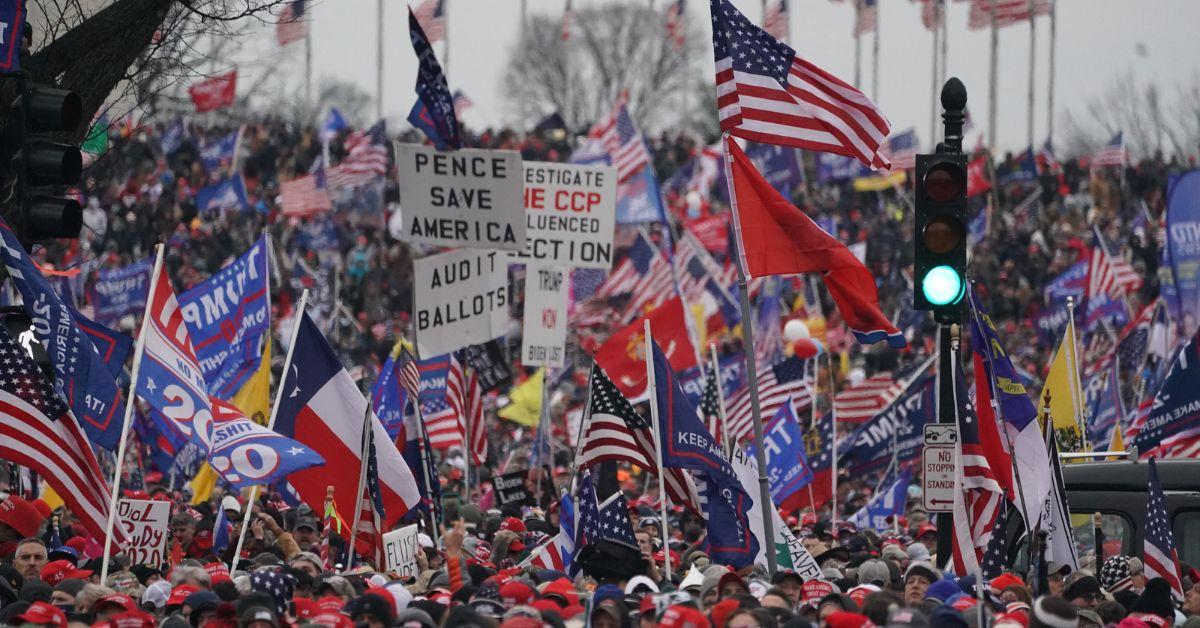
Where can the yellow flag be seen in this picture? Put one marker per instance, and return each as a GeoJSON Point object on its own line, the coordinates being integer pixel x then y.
{"type": "Point", "coordinates": [525, 401]}
{"type": "Point", "coordinates": [50, 497]}
{"type": "Point", "coordinates": [1118, 441]}
{"type": "Point", "coordinates": [254, 400]}
{"type": "Point", "coordinates": [1066, 398]}
{"type": "Point", "coordinates": [880, 183]}
{"type": "Point", "coordinates": [203, 484]}
{"type": "Point", "coordinates": [700, 318]}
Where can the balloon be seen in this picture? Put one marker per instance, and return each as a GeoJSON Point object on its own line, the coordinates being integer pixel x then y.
{"type": "Point", "coordinates": [795, 329]}
{"type": "Point", "coordinates": [806, 348]}
{"type": "Point", "coordinates": [857, 376]}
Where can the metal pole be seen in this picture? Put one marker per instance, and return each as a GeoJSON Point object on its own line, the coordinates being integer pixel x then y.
{"type": "Point", "coordinates": [658, 446]}
{"type": "Point", "coordinates": [875, 58]}
{"type": "Point", "coordinates": [941, 11]}
{"type": "Point", "coordinates": [857, 49]}
{"type": "Point", "coordinates": [833, 455]}
{"type": "Point", "coordinates": [362, 483]}
{"type": "Point", "coordinates": [716, 367]}
{"type": "Point", "coordinates": [379, 59]}
{"type": "Point", "coordinates": [130, 402]}
{"type": "Point", "coordinates": [1076, 386]}
{"type": "Point", "coordinates": [934, 91]}
{"type": "Point", "coordinates": [945, 414]}
{"type": "Point", "coordinates": [1050, 81]}
{"type": "Point", "coordinates": [446, 37]}
{"type": "Point", "coordinates": [308, 66]}
{"type": "Point", "coordinates": [992, 82]}
{"type": "Point", "coordinates": [1032, 59]}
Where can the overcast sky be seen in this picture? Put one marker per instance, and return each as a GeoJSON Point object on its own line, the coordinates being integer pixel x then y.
{"type": "Point", "coordinates": [1098, 40]}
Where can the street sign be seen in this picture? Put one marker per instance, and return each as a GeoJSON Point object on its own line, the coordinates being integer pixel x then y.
{"type": "Point", "coordinates": [941, 434]}
{"type": "Point", "coordinates": [937, 481]}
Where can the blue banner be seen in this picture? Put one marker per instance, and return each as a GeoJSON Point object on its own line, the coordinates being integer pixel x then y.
{"type": "Point", "coordinates": [787, 465]}
{"type": "Point", "coordinates": [1052, 321]}
{"type": "Point", "coordinates": [173, 137]}
{"type": "Point", "coordinates": [218, 152]}
{"type": "Point", "coordinates": [1071, 283]}
{"type": "Point", "coordinates": [897, 430]}
{"type": "Point", "coordinates": [1183, 247]}
{"type": "Point", "coordinates": [228, 315]}
{"type": "Point", "coordinates": [833, 168]}
{"type": "Point", "coordinates": [224, 195]}
{"type": "Point", "coordinates": [1023, 169]}
{"type": "Point", "coordinates": [12, 29]}
{"type": "Point", "coordinates": [388, 399]}
{"type": "Point", "coordinates": [733, 377]}
{"type": "Point", "coordinates": [639, 199]}
{"type": "Point", "coordinates": [888, 503]}
{"type": "Point", "coordinates": [433, 94]}
{"type": "Point", "coordinates": [120, 291]}
{"type": "Point", "coordinates": [779, 165]}
{"type": "Point", "coordinates": [1102, 398]}
{"type": "Point", "coordinates": [1177, 405]}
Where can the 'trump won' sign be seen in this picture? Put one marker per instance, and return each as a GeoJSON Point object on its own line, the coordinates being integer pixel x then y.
{"type": "Point", "coordinates": [461, 299]}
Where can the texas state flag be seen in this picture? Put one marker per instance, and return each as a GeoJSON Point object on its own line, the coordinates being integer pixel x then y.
{"type": "Point", "coordinates": [322, 408]}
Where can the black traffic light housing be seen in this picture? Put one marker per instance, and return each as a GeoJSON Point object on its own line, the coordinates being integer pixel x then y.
{"type": "Point", "coordinates": [40, 166]}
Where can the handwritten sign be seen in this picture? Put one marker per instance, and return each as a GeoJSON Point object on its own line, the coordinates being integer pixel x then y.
{"type": "Point", "coordinates": [461, 299]}
{"type": "Point", "coordinates": [510, 489]}
{"type": "Point", "coordinates": [400, 551]}
{"type": "Point", "coordinates": [544, 338]}
{"type": "Point", "coordinates": [144, 523]}
{"type": "Point", "coordinates": [570, 211]}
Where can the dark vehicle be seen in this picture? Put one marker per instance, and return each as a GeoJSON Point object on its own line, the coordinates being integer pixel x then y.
{"type": "Point", "coordinates": [1117, 490]}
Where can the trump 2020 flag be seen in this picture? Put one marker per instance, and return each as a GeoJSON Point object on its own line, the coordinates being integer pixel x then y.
{"type": "Point", "coordinates": [888, 503]}
{"type": "Point", "coordinates": [80, 374]}
{"type": "Point", "coordinates": [686, 444]}
{"type": "Point", "coordinates": [243, 452]}
{"type": "Point", "coordinates": [776, 238]}
{"type": "Point", "coordinates": [434, 110]}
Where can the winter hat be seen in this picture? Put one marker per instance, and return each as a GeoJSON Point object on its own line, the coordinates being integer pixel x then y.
{"type": "Point", "coordinates": [918, 551]}
{"type": "Point", "coordinates": [1053, 612]}
{"type": "Point", "coordinates": [1081, 586]}
{"type": "Point", "coordinates": [946, 616]}
{"type": "Point", "coordinates": [1115, 574]}
{"type": "Point", "coordinates": [943, 591]}
{"type": "Point", "coordinates": [923, 569]}
{"type": "Point", "coordinates": [279, 586]}
{"type": "Point", "coordinates": [1156, 600]}
{"type": "Point", "coordinates": [874, 571]}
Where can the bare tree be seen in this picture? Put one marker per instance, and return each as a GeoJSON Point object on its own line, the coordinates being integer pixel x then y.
{"type": "Point", "coordinates": [614, 49]}
{"type": "Point", "coordinates": [1153, 120]}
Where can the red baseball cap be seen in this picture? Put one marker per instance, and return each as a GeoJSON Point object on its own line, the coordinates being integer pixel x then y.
{"type": "Point", "coordinates": [115, 599]}
{"type": "Point", "coordinates": [43, 613]}
{"type": "Point", "coordinates": [842, 619]}
{"type": "Point", "coordinates": [305, 607]}
{"type": "Point", "coordinates": [926, 528]}
{"type": "Point", "coordinates": [330, 604]}
{"type": "Point", "coordinates": [513, 524]}
{"type": "Point", "coordinates": [515, 593]}
{"type": "Point", "coordinates": [56, 571]}
{"type": "Point", "coordinates": [683, 617]}
{"type": "Point", "coordinates": [333, 620]}
{"type": "Point", "coordinates": [129, 619]}
{"type": "Point", "coordinates": [20, 515]}
{"type": "Point", "coordinates": [180, 593]}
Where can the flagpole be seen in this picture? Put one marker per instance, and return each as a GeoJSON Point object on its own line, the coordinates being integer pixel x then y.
{"type": "Point", "coordinates": [583, 420]}
{"type": "Point", "coordinates": [378, 59]}
{"type": "Point", "coordinates": [875, 57]}
{"type": "Point", "coordinates": [857, 53]}
{"type": "Point", "coordinates": [716, 367]}
{"type": "Point", "coordinates": [833, 463]}
{"type": "Point", "coordinates": [307, 66]}
{"type": "Point", "coordinates": [362, 483]}
{"type": "Point", "coordinates": [648, 344]}
{"type": "Point", "coordinates": [1050, 82]}
{"type": "Point", "coordinates": [1032, 60]}
{"type": "Point", "coordinates": [287, 364]}
{"type": "Point", "coordinates": [446, 37]}
{"type": "Point", "coordinates": [992, 80]}
{"type": "Point", "coordinates": [1076, 386]}
{"type": "Point", "coordinates": [130, 402]}
{"type": "Point", "coordinates": [935, 89]}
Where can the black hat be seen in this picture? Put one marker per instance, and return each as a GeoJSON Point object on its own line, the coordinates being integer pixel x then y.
{"type": "Point", "coordinates": [372, 605]}
{"type": "Point", "coordinates": [1156, 599]}
{"type": "Point", "coordinates": [1083, 586]}
{"type": "Point", "coordinates": [307, 522]}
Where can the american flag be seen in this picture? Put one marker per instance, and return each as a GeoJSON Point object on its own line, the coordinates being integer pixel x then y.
{"type": "Point", "coordinates": [621, 140]}
{"type": "Point", "coordinates": [568, 21]}
{"type": "Point", "coordinates": [614, 521]}
{"type": "Point", "coordinates": [710, 404]}
{"type": "Point", "coordinates": [1185, 444]}
{"type": "Point", "coordinates": [1109, 274]}
{"type": "Point", "coordinates": [856, 404]}
{"type": "Point", "coordinates": [441, 423]}
{"type": "Point", "coordinates": [766, 93]}
{"type": "Point", "coordinates": [866, 17]}
{"type": "Point", "coordinates": [410, 374]}
{"type": "Point", "coordinates": [432, 16]}
{"type": "Point", "coordinates": [1158, 549]}
{"type": "Point", "coordinates": [302, 197]}
{"type": "Point", "coordinates": [38, 431]}
{"type": "Point", "coordinates": [775, 22]}
{"type": "Point", "coordinates": [291, 25]}
{"type": "Point", "coordinates": [614, 430]}
{"type": "Point", "coordinates": [587, 527]}
{"type": "Point", "coordinates": [1008, 12]}
{"type": "Point", "coordinates": [652, 281]}
{"type": "Point", "coordinates": [368, 537]}
{"type": "Point", "coordinates": [933, 13]}
{"type": "Point", "coordinates": [776, 383]}
{"type": "Point", "coordinates": [365, 161]}
{"type": "Point", "coordinates": [1135, 338]}
{"type": "Point", "coordinates": [699, 274]}
{"type": "Point", "coordinates": [461, 103]}
{"type": "Point", "coordinates": [978, 495]}
{"type": "Point", "coordinates": [901, 150]}
{"type": "Point", "coordinates": [466, 398]}
{"type": "Point", "coordinates": [995, 558]}
{"type": "Point", "coordinates": [676, 14]}
{"type": "Point", "coordinates": [1113, 153]}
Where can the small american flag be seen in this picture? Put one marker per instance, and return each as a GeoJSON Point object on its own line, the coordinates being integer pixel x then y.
{"type": "Point", "coordinates": [901, 150]}
{"type": "Point", "coordinates": [614, 521]}
{"type": "Point", "coordinates": [653, 283]}
{"type": "Point", "coordinates": [1158, 550]}
{"type": "Point", "coordinates": [461, 103]}
{"type": "Point", "coordinates": [1109, 274]}
{"type": "Point", "coordinates": [366, 159]}
{"type": "Point", "coordinates": [767, 93]}
{"type": "Point", "coordinates": [1008, 12]}
{"type": "Point", "coordinates": [587, 530]}
{"type": "Point", "coordinates": [410, 375]}
{"type": "Point", "coordinates": [775, 22]}
{"type": "Point", "coordinates": [462, 389]}
{"type": "Point", "coordinates": [933, 13]}
{"type": "Point", "coordinates": [776, 384]}
{"type": "Point", "coordinates": [856, 404]}
{"type": "Point", "coordinates": [978, 496]}
{"type": "Point", "coordinates": [302, 197]}
{"type": "Point", "coordinates": [995, 559]}
{"type": "Point", "coordinates": [432, 16]}
{"type": "Point", "coordinates": [291, 26]}
{"type": "Point", "coordinates": [1113, 153]}
{"type": "Point", "coordinates": [621, 141]}
{"type": "Point", "coordinates": [710, 404]}
{"type": "Point", "coordinates": [866, 17]}
{"type": "Point", "coordinates": [676, 31]}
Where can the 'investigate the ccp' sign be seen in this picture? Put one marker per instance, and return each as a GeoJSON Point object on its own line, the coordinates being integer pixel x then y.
{"type": "Point", "coordinates": [465, 198]}
{"type": "Point", "coordinates": [461, 299]}
{"type": "Point", "coordinates": [570, 211]}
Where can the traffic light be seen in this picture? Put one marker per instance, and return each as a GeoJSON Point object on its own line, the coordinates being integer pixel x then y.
{"type": "Point", "coordinates": [41, 166]}
{"type": "Point", "coordinates": [941, 235]}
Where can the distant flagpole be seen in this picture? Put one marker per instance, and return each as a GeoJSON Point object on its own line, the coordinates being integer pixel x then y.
{"type": "Point", "coordinates": [129, 405]}
{"type": "Point", "coordinates": [287, 365]}
{"type": "Point", "coordinates": [992, 85]}
{"type": "Point", "coordinates": [648, 343]}
{"type": "Point", "coordinates": [857, 59]}
{"type": "Point", "coordinates": [1050, 81]}
{"type": "Point", "coordinates": [875, 57]}
{"type": "Point", "coordinates": [378, 59]}
{"type": "Point", "coordinates": [715, 365]}
{"type": "Point", "coordinates": [308, 65]}
{"type": "Point", "coordinates": [365, 448]}
{"type": "Point", "coordinates": [935, 80]}
{"type": "Point", "coordinates": [833, 462]}
{"type": "Point", "coordinates": [1032, 67]}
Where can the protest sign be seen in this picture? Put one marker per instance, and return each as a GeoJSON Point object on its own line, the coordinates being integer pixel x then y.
{"type": "Point", "coordinates": [490, 361]}
{"type": "Point", "coordinates": [570, 211]}
{"type": "Point", "coordinates": [400, 551]}
{"type": "Point", "coordinates": [467, 198]}
{"type": "Point", "coordinates": [144, 523]}
{"type": "Point", "coordinates": [510, 489]}
{"type": "Point", "coordinates": [461, 299]}
{"type": "Point", "coordinates": [544, 337]}
{"type": "Point", "coordinates": [120, 291]}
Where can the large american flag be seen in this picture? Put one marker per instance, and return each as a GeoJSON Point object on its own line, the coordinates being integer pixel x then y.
{"type": "Point", "coordinates": [1158, 549]}
{"type": "Point", "coordinates": [978, 496]}
{"type": "Point", "coordinates": [614, 430]}
{"type": "Point", "coordinates": [621, 140]}
{"type": "Point", "coordinates": [775, 22]}
{"type": "Point", "coordinates": [856, 404]}
{"type": "Point", "coordinates": [302, 197]}
{"type": "Point", "coordinates": [1008, 12]}
{"type": "Point", "coordinates": [432, 16]}
{"type": "Point", "coordinates": [465, 396]}
{"type": "Point", "coordinates": [767, 93]}
{"type": "Point", "coordinates": [366, 159]}
{"type": "Point", "coordinates": [1109, 274]}
{"type": "Point", "coordinates": [776, 384]}
{"type": "Point", "coordinates": [1113, 153]}
{"type": "Point", "coordinates": [291, 25]}
{"type": "Point", "coordinates": [37, 431]}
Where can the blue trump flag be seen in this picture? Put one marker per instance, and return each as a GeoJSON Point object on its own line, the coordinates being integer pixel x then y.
{"type": "Point", "coordinates": [113, 346]}
{"type": "Point", "coordinates": [1176, 408]}
{"type": "Point", "coordinates": [228, 315]}
{"type": "Point", "coordinates": [173, 137]}
{"type": "Point", "coordinates": [80, 375]}
{"type": "Point", "coordinates": [686, 444]}
{"type": "Point", "coordinates": [388, 400]}
{"type": "Point", "coordinates": [885, 505]}
{"type": "Point", "coordinates": [897, 431]}
{"type": "Point", "coordinates": [787, 465]}
{"type": "Point", "coordinates": [120, 291]}
{"type": "Point", "coordinates": [779, 165]}
{"type": "Point", "coordinates": [1023, 169]}
{"type": "Point", "coordinates": [433, 94]}
{"type": "Point", "coordinates": [1071, 283]}
{"type": "Point", "coordinates": [1183, 247]}
{"type": "Point", "coordinates": [833, 168]}
{"type": "Point", "coordinates": [219, 151]}
{"type": "Point", "coordinates": [12, 29]}
{"type": "Point", "coordinates": [1102, 398]}
{"type": "Point", "coordinates": [332, 124]}
{"type": "Point", "coordinates": [228, 193]}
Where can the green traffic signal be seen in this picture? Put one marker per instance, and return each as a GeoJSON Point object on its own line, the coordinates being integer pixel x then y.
{"type": "Point", "coordinates": [942, 285]}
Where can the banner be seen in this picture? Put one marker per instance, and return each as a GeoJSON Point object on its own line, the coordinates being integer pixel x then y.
{"type": "Point", "coordinates": [120, 291]}
{"type": "Point", "coordinates": [465, 198]}
{"type": "Point", "coordinates": [222, 149]}
{"type": "Point", "coordinates": [1071, 283]}
{"type": "Point", "coordinates": [779, 165]}
{"type": "Point", "coordinates": [226, 194]}
{"type": "Point", "coordinates": [490, 361]}
{"type": "Point", "coordinates": [1183, 247]}
{"type": "Point", "coordinates": [400, 549]}
{"type": "Point", "coordinates": [896, 431]}
{"type": "Point", "coordinates": [570, 212]}
{"type": "Point", "coordinates": [228, 315]}
{"type": "Point", "coordinates": [12, 30]}
{"type": "Point", "coordinates": [215, 93]}
{"type": "Point", "coordinates": [461, 299]}
{"type": "Point", "coordinates": [639, 199]}
{"type": "Point", "coordinates": [544, 335]}
{"type": "Point", "coordinates": [145, 525]}
{"type": "Point", "coordinates": [833, 168]}
{"type": "Point", "coordinates": [732, 372]}
{"type": "Point", "coordinates": [789, 551]}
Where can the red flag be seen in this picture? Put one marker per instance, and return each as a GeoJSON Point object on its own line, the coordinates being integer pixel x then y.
{"type": "Point", "coordinates": [712, 232]}
{"type": "Point", "coordinates": [622, 356]}
{"type": "Point", "coordinates": [977, 180]}
{"type": "Point", "coordinates": [217, 92]}
{"type": "Point", "coordinates": [776, 238]}
{"type": "Point", "coordinates": [989, 433]}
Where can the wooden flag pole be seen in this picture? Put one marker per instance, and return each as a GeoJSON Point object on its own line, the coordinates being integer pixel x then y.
{"type": "Point", "coordinates": [287, 365]}
{"type": "Point", "coordinates": [658, 447]}
{"type": "Point", "coordinates": [129, 404]}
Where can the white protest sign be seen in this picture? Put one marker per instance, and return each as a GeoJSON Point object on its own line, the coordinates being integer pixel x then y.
{"type": "Point", "coordinates": [544, 340]}
{"type": "Point", "coordinates": [400, 551]}
{"type": "Point", "coordinates": [463, 198]}
{"type": "Point", "coordinates": [144, 523]}
{"type": "Point", "coordinates": [570, 212]}
{"type": "Point", "coordinates": [461, 299]}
